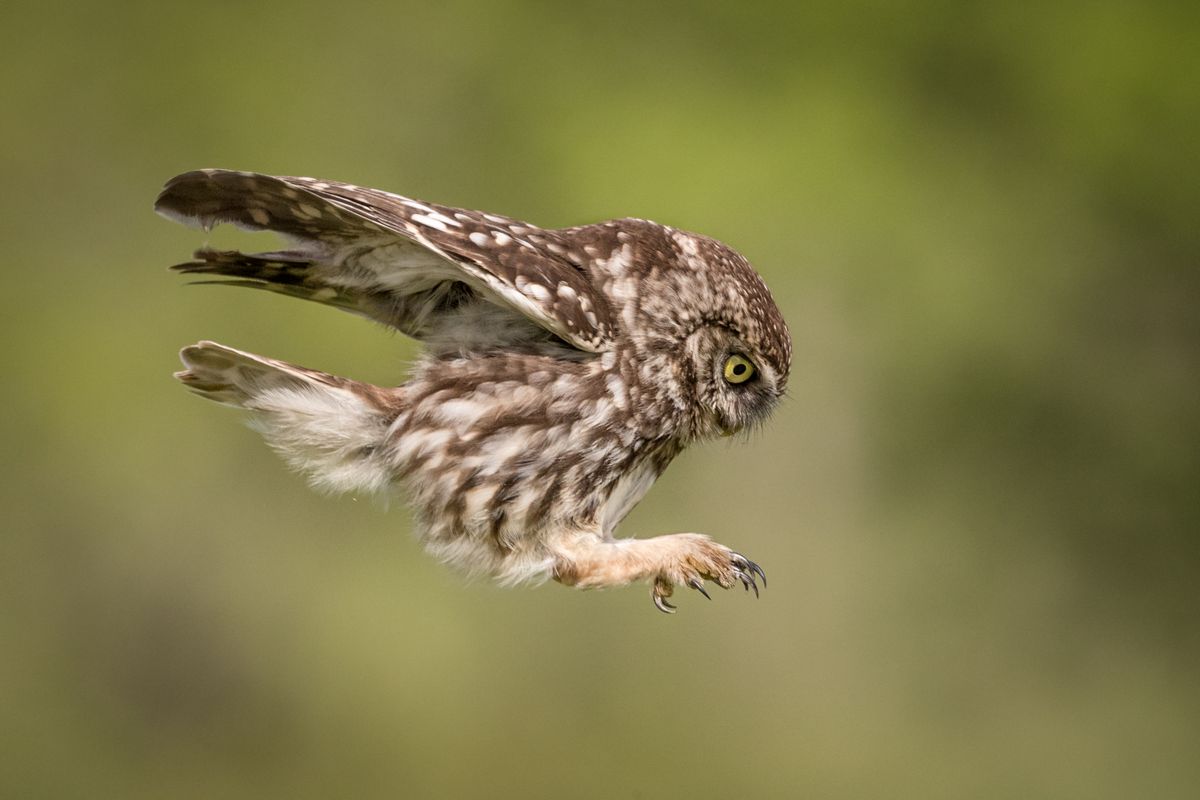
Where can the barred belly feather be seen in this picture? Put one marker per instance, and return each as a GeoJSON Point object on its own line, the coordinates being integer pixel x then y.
{"type": "Point", "coordinates": [489, 454]}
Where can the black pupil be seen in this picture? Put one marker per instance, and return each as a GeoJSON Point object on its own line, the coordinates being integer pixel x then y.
{"type": "Point", "coordinates": [739, 369]}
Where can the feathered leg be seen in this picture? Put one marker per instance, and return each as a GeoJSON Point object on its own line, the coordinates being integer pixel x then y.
{"type": "Point", "coordinates": [681, 559]}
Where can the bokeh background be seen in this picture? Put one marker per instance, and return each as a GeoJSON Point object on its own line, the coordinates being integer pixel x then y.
{"type": "Point", "coordinates": [978, 510]}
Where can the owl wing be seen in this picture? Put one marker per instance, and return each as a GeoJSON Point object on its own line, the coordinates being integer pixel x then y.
{"type": "Point", "coordinates": [388, 257]}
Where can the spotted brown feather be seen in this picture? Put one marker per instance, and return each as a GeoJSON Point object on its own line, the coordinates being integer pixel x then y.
{"type": "Point", "coordinates": [565, 369]}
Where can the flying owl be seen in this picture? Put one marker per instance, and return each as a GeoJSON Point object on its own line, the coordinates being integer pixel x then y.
{"type": "Point", "coordinates": [563, 370]}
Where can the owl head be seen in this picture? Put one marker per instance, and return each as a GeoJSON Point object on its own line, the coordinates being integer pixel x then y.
{"type": "Point", "coordinates": [736, 383]}
{"type": "Point", "coordinates": [739, 356]}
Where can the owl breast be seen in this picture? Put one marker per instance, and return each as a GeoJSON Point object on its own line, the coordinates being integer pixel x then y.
{"type": "Point", "coordinates": [495, 451]}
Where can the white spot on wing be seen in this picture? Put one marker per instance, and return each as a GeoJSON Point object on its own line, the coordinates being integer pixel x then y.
{"type": "Point", "coordinates": [440, 217]}
{"type": "Point", "coordinates": [429, 221]}
{"type": "Point", "coordinates": [418, 206]}
{"type": "Point", "coordinates": [538, 292]}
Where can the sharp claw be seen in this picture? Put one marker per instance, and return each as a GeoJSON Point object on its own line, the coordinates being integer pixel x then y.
{"type": "Point", "coordinates": [747, 570]}
{"type": "Point", "coordinates": [699, 587]}
{"type": "Point", "coordinates": [663, 605]}
{"type": "Point", "coordinates": [756, 568]}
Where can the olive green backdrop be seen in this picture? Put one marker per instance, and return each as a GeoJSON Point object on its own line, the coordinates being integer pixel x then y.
{"type": "Point", "coordinates": [978, 509]}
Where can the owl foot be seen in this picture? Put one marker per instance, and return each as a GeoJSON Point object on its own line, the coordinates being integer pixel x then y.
{"type": "Point", "coordinates": [681, 559]}
{"type": "Point", "coordinates": [707, 561]}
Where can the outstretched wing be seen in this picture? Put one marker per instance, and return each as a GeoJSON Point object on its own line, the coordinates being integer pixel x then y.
{"type": "Point", "coordinates": [391, 258]}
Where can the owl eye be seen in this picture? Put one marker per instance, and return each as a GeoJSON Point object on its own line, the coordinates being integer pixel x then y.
{"type": "Point", "coordinates": [738, 369]}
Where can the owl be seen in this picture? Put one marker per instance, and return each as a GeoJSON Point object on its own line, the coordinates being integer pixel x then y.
{"type": "Point", "coordinates": [562, 371]}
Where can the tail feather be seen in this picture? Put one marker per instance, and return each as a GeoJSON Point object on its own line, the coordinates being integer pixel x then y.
{"type": "Point", "coordinates": [329, 428]}
{"type": "Point", "coordinates": [234, 377]}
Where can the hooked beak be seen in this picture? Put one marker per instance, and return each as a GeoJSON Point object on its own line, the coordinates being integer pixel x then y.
{"type": "Point", "coordinates": [725, 427]}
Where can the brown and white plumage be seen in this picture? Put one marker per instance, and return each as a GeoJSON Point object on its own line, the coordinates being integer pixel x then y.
{"type": "Point", "coordinates": [564, 369]}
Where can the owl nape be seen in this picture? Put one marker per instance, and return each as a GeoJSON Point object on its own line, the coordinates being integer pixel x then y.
{"type": "Point", "coordinates": [563, 370]}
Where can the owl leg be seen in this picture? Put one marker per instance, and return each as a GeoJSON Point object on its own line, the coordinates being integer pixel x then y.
{"type": "Point", "coordinates": [681, 559]}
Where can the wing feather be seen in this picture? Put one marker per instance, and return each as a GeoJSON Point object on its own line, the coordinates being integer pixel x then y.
{"type": "Point", "coordinates": [390, 257]}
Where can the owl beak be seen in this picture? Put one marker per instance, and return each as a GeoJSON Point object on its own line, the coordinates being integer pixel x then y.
{"type": "Point", "coordinates": [725, 426]}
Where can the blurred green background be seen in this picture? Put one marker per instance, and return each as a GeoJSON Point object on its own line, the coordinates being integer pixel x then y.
{"type": "Point", "coordinates": [978, 510]}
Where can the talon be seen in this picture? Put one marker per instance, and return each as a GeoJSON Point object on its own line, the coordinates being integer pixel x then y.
{"type": "Point", "coordinates": [756, 568]}
{"type": "Point", "coordinates": [699, 587]}
{"type": "Point", "coordinates": [747, 570]}
{"type": "Point", "coordinates": [748, 581]}
{"type": "Point", "coordinates": [663, 605]}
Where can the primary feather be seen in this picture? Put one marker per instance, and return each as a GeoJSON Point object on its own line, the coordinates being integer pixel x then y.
{"type": "Point", "coordinates": [391, 258]}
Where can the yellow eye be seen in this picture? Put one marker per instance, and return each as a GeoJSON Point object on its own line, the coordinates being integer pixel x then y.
{"type": "Point", "coordinates": [738, 369]}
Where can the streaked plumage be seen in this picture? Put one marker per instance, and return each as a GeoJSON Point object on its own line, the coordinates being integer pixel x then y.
{"type": "Point", "coordinates": [564, 369]}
